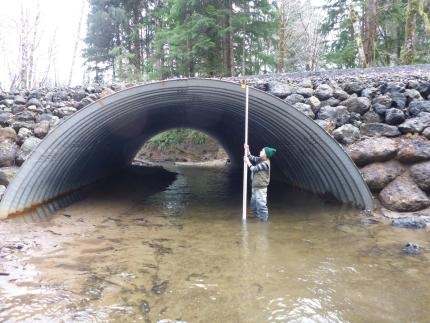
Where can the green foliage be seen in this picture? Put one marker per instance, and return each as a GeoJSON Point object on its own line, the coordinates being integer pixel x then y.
{"type": "Point", "coordinates": [177, 38]}
{"type": "Point", "coordinates": [171, 138]}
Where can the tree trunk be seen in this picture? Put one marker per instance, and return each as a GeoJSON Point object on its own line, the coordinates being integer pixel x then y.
{"type": "Point", "coordinates": [33, 46]}
{"type": "Point", "coordinates": [228, 39]}
{"type": "Point", "coordinates": [410, 32]}
{"type": "Point", "coordinates": [282, 45]}
{"type": "Point", "coordinates": [357, 35]}
{"type": "Point", "coordinates": [136, 41]}
{"type": "Point", "coordinates": [75, 48]}
{"type": "Point", "coordinates": [23, 74]}
{"type": "Point", "coordinates": [370, 26]}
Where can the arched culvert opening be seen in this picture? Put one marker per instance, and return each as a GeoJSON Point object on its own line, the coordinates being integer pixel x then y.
{"type": "Point", "coordinates": [106, 135]}
{"type": "Point", "coordinates": [182, 145]}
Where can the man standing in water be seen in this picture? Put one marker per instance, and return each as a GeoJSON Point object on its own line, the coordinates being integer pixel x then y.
{"type": "Point", "coordinates": [260, 176]}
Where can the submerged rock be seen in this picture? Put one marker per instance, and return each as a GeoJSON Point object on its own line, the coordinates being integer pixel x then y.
{"type": "Point", "coordinates": [411, 248]}
{"type": "Point", "coordinates": [410, 222]}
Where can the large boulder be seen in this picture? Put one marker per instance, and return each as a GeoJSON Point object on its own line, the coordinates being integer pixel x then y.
{"type": "Point", "coordinates": [369, 92]}
{"type": "Point", "coordinates": [371, 117]}
{"type": "Point", "coordinates": [278, 89]}
{"type": "Point", "coordinates": [54, 122]}
{"type": "Point", "coordinates": [416, 124]}
{"type": "Point", "coordinates": [424, 88]}
{"type": "Point", "coordinates": [373, 150]}
{"type": "Point", "coordinates": [323, 92]}
{"type": "Point", "coordinates": [414, 150]}
{"type": "Point", "coordinates": [307, 83]}
{"type": "Point", "coordinates": [305, 91]}
{"type": "Point", "coordinates": [412, 94]}
{"type": "Point", "coordinates": [19, 99]}
{"type": "Point", "coordinates": [394, 116]}
{"type": "Point", "coordinates": [34, 101]}
{"type": "Point", "coordinates": [295, 98]}
{"type": "Point", "coordinates": [379, 129]}
{"type": "Point", "coordinates": [8, 151]}
{"type": "Point", "coordinates": [340, 94]}
{"type": "Point", "coordinates": [399, 100]}
{"type": "Point", "coordinates": [26, 116]}
{"type": "Point", "coordinates": [79, 94]}
{"type": "Point", "coordinates": [7, 174]}
{"type": "Point", "coordinates": [41, 129]}
{"type": "Point", "coordinates": [8, 134]}
{"type": "Point", "coordinates": [330, 101]}
{"type": "Point", "coordinates": [380, 109]}
{"type": "Point", "coordinates": [327, 125]}
{"type": "Point", "coordinates": [6, 118]}
{"type": "Point", "coordinates": [305, 109]}
{"type": "Point", "coordinates": [27, 147]}
{"type": "Point", "coordinates": [403, 195]}
{"type": "Point", "coordinates": [354, 87]}
{"type": "Point", "coordinates": [23, 134]}
{"type": "Point", "coordinates": [384, 100]}
{"type": "Point", "coordinates": [421, 174]}
{"type": "Point", "coordinates": [426, 132]}
{"type": "Point", "coordinates": [338, 115]}
{"type": "Point", "coordinates": [378, 175]}
{"type": "Point", "coordinates": [416, 107]}
{"type": "Point", "coordinates": [314, 102]}
{"type": "Point", "coordinates": [22, 124]}
{"type": "Point", "coordinates": [346, 134]}
{"type": "Point", "coordinates": [357, 104]}
{"type": "Point", "coordinates": [64, 111]}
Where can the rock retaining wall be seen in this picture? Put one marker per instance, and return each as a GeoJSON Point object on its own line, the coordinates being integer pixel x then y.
{"type": "Point", "coordinates": [380, 116]}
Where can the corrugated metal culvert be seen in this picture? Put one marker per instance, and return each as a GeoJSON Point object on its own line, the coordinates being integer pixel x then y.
{"type": "Point", "coordinates": [106, 135]}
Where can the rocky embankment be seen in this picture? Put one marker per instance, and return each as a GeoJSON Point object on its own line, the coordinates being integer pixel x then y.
{"type": "Point", "coordinates": [380, 116]}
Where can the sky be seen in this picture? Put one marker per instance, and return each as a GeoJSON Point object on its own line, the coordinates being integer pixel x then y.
{"type": "Point", "coordinates": [59, 22]}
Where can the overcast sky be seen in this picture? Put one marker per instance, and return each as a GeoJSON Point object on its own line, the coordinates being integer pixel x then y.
{"type": "Point", "coordinates": [59, 24]}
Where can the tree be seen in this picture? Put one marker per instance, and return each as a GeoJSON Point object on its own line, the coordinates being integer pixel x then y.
{"type": "Point", "coordinates": [415, 8]}
{"type": "Point", "coordinates": [370, 25]}
{"type": "Point", "coordinates": [78, 35]}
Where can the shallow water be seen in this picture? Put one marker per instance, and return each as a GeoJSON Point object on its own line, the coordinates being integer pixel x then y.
{"type": "Point", "coordinates": [135, 252]}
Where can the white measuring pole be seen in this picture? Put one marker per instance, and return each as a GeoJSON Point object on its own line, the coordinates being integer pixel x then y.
{"type": "Point", "coordinates": [245, 167]}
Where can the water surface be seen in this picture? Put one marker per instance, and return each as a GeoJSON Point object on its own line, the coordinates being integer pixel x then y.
{"type": "Point", "coordinates": [138, 249]}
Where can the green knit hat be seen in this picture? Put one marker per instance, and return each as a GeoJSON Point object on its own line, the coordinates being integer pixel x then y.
{"type": "Point", "coordinates": [269, 151]}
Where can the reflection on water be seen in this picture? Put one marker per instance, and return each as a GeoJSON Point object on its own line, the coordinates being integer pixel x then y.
{"type": "Point", "coordinates": [145, 249]}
